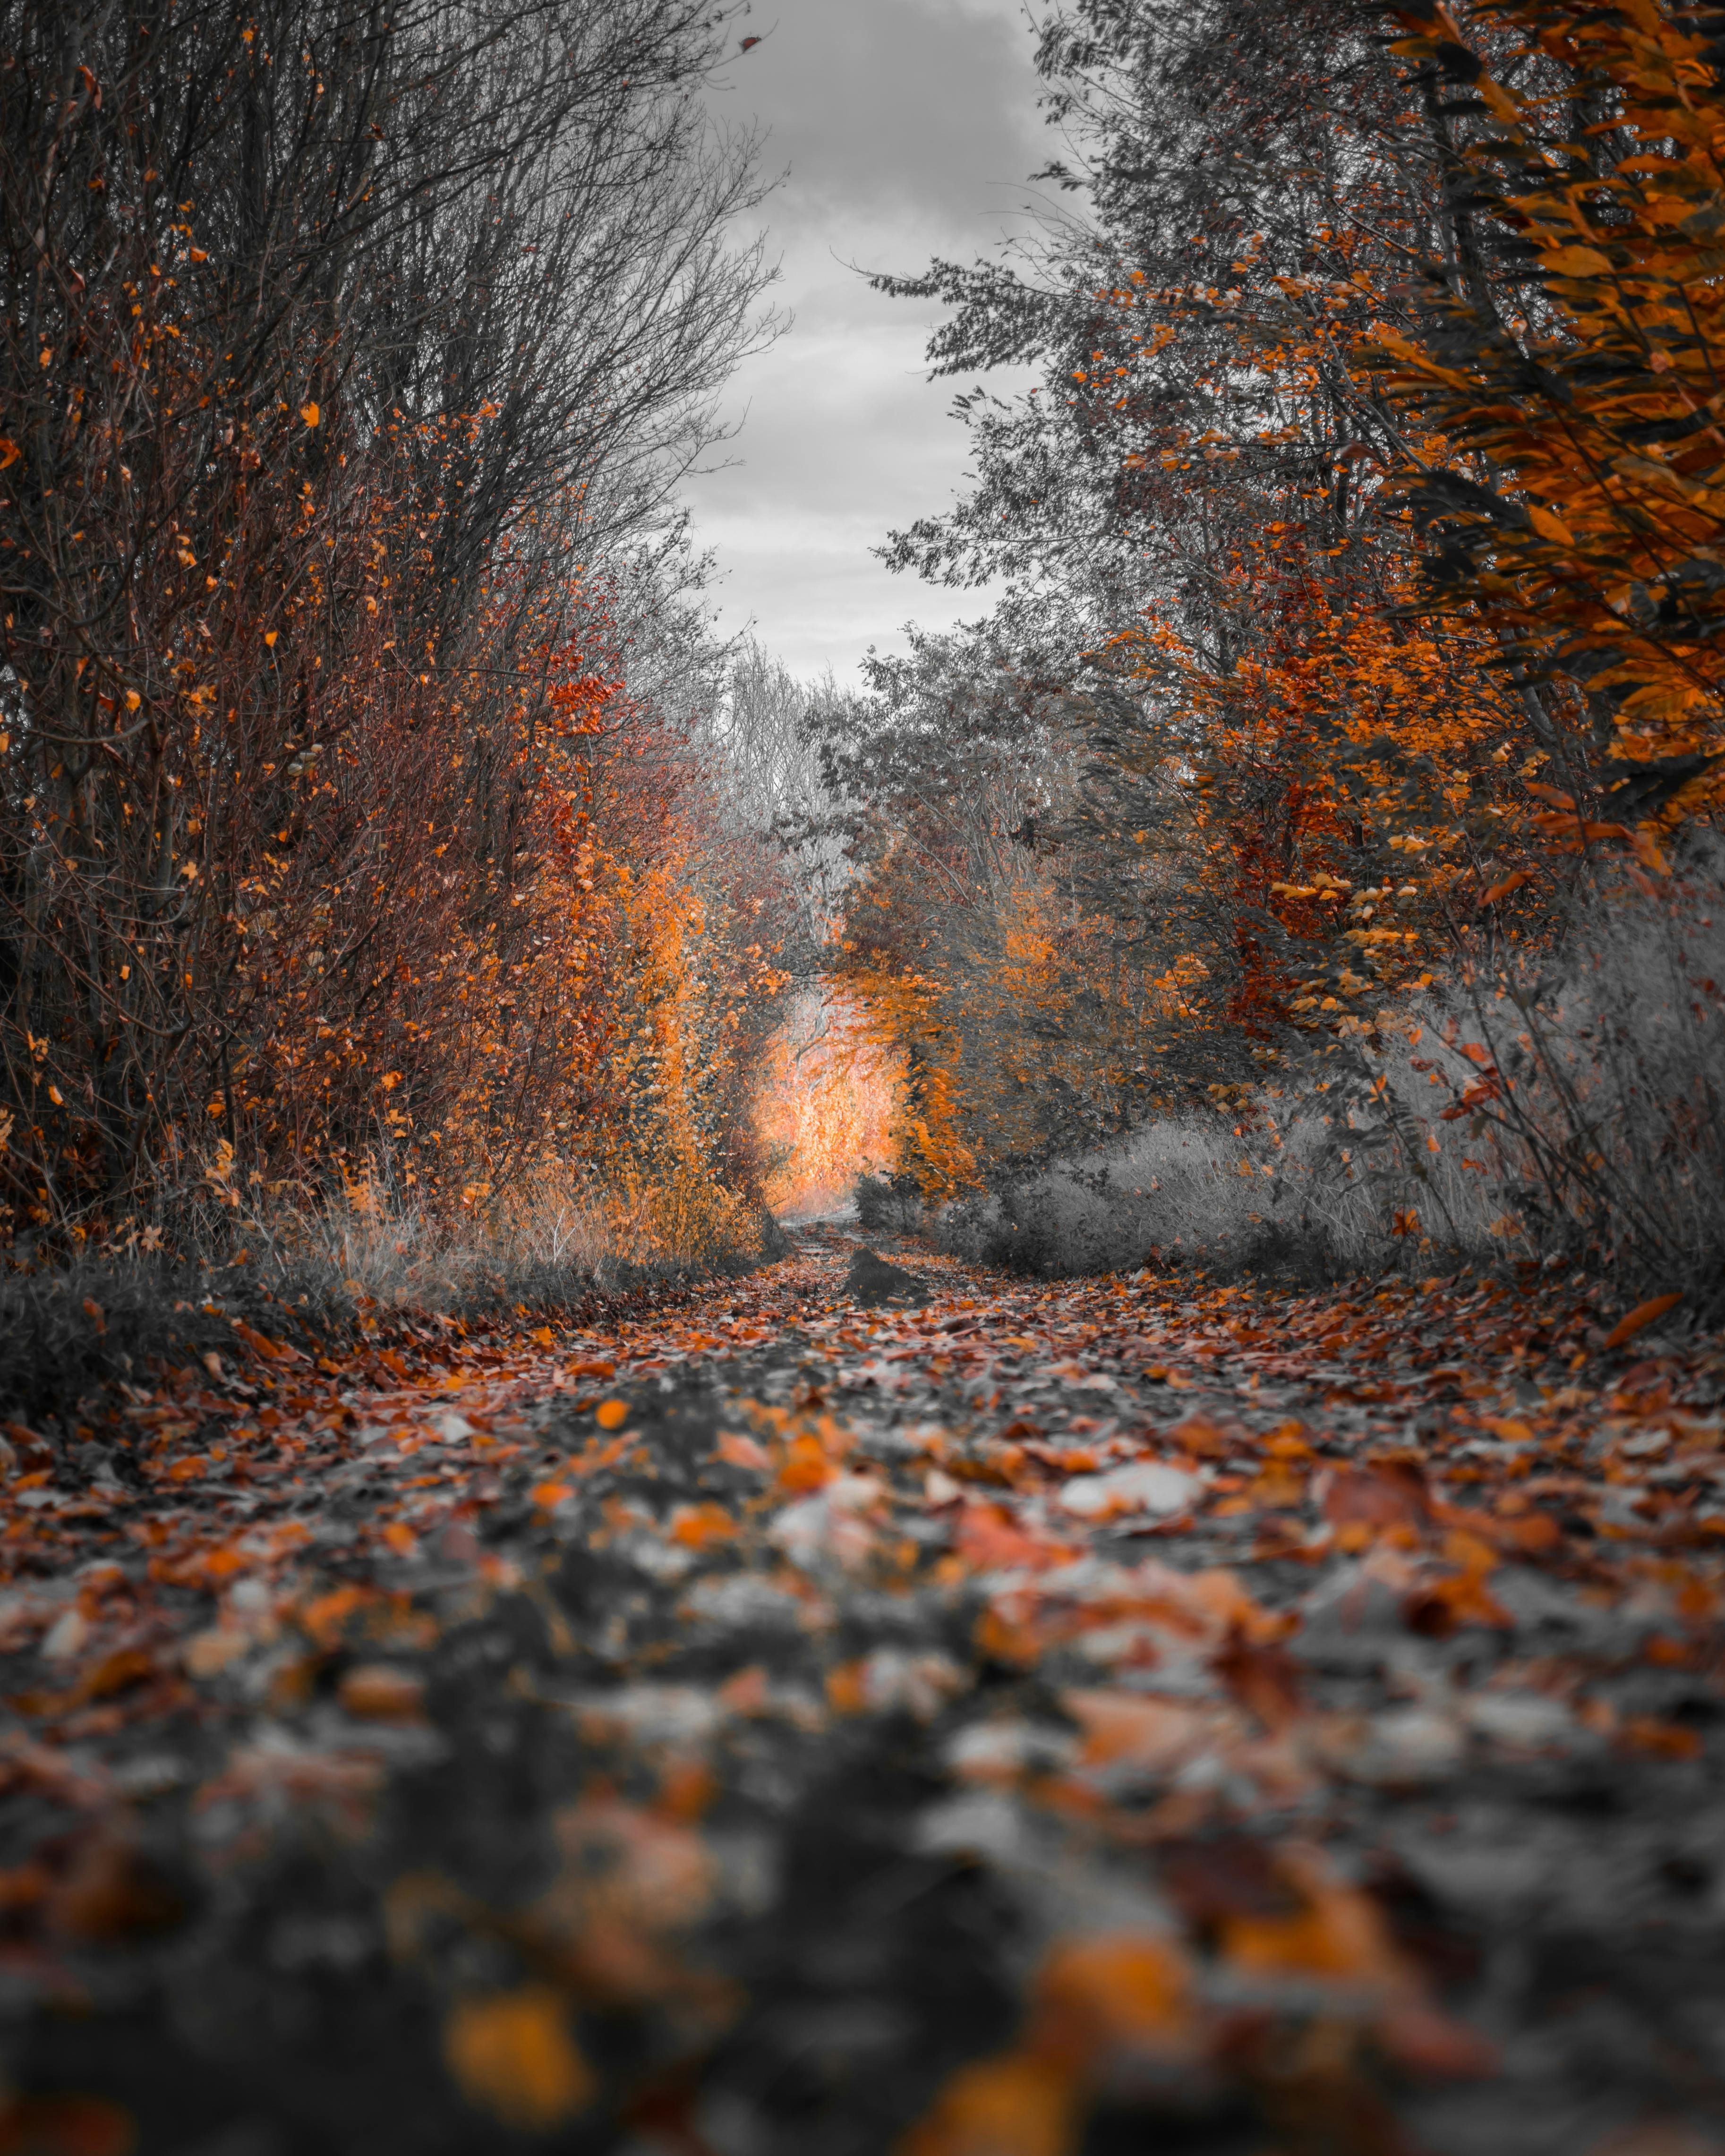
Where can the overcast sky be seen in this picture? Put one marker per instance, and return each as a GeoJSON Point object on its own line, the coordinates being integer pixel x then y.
{"type": "Point", "coordinates": [909, 127]}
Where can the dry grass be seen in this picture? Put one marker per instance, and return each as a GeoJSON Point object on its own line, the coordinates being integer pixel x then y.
{"type": "Point", "coordinates": [1573, 1111]}
{"type": "Point", "coordinates": [549, 1244]}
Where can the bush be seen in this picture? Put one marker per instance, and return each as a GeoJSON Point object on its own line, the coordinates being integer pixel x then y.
{"type": "Point", "coordinates": [1567, 1110]}
{"type": "Point", "coordinates": [891, 1202]}
{"type": "Point", "coordinates": [370, 1257]}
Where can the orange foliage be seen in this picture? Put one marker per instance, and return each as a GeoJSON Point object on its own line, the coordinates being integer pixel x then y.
{"type": "Point", "coordinates": [1587, 403]}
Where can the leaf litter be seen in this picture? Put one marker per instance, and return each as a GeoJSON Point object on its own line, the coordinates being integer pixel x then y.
{"type": "Point", "coordinates": [812, 1712]}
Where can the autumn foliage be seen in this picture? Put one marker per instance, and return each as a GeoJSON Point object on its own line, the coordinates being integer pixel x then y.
{"type": "Point", "coordinates": [1358, 540]}
{"type": "Point", "coordinates": [353, 838]}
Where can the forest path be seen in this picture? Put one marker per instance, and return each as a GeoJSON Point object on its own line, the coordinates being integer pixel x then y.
{"type": "Point", "coordinates": [1050, 1712]}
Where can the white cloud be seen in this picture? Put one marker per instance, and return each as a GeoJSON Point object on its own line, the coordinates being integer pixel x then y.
{"type": "Point", "coordinates": [908, 126]}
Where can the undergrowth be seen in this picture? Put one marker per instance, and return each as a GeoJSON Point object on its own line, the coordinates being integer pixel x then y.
{"type": "Point", "coordinates": [224, 1287]}
{"type": "Point", "coordinates": [1565, 1111]}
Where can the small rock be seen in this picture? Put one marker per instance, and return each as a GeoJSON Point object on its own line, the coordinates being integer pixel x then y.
{"type": "Point", "coordinates": [1526, 1720]}
{"type": "Point", "coordinates": [1146, 1486]}
{"type": "Point", "coordinates": [1505, 1880]}
{"type": "Point", "coordinates": [66, 1636]}
{"type": "Point", "coordinates": [1404, 1747]}
{"type": "Point", "coordinates": [872, 1278]}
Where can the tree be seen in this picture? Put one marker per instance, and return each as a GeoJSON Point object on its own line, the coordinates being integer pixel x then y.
{"type": "Point", "coordinates": [340, 349]}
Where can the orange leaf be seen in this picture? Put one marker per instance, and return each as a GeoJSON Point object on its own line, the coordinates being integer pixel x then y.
{"type": "Point", "coordinates": [1642, 1315]}
{"type": "Point", "coordinates": [1390, 1494]}
{"type": "Point", "coordinates": [847, 1688]}
{"type": "Point", "coordinates": [1120, 1990]}
{"type": "Point", "coordinates": [989, 1538]}
{"type": "Point", "coordinates": [1660, 1740]}
{"type": "Point", "coordinates": [747, 1691]}
{"type": "Point", "coordinates": [739, 1451]}
{"type": "Point", "coordinates": [310, 414]}
{"type": "Point", "coordinates": [806, 1466]}
{"type": "Point", "coordinates": [324, 1618]}
{"type": "Point", "coordinates": [1459, 1598]}
{"type": "Point", "coordinates": [1121, 1727]}
{"type": "Point", "coordinates": [1000, 1639]}
{"type": "Point", "coordinates": [1550, 526]}
{"type": "Point", "coordinates": [378, 1692]}
{"type": "Point", "coordinates": [1500, 891]}
{"type": "Point", "coordinates": [1578, 262]}
{"type": "Point", "coordinates": [1339, 1933]}
{"type": "Point", "coordinates": [117, 1672]}
{"type": "Point", "coordinates": [611, 1415]}
{"type": "Point", "coordinates": [695, 1526]}
{"type": "Point", "coordinates": [1016, 2105]}
{"type": "Point", "coordinates": [513, 2055]}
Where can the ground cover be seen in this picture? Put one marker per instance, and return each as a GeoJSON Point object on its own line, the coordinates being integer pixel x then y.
{"type": "Point", "coordinates": [826, 1712]}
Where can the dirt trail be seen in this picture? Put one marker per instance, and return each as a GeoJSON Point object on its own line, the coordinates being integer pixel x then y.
{"type": "Point", "coordinates": [1046, 1717]}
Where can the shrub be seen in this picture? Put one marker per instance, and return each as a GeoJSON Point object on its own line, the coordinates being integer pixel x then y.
{"type": "Point", "coordinates": [1567, 1110]}
{"type": "Point", "coordinates": [891, 1202]}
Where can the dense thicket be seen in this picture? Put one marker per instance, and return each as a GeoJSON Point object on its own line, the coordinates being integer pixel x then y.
{"type": "Point", "coordinates": [350, 356]}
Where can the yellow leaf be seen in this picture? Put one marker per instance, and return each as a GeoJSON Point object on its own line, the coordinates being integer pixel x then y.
{"type": "Point", "coordinates": [513, 2055]}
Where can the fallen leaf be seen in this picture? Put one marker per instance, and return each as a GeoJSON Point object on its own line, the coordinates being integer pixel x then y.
{"type": "Point", "coordinates": [378, 1692]}
{"type": "Point", "coordinates": [1115, 1991]}
{"type": "Point", "coordinates": [1642, 1315]}
{"type": "Point", "coordinates": [511, 2054]}
{"type": "Point", "coordinates": [1016, 2105]}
